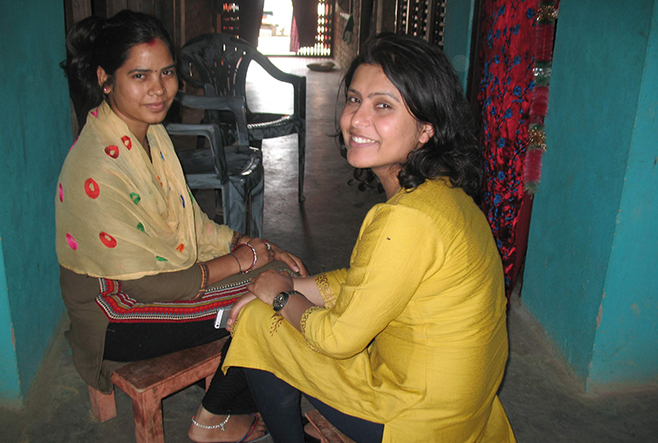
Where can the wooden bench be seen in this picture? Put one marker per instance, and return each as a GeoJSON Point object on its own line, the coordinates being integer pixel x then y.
{"type": "Point", "coordinates": [329, 434]}
{"type": "Point", "coordinates": [147, 382]}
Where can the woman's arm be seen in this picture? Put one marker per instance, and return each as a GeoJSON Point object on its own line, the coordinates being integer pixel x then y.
{"type": "Point", "coordinates": [270, 283]}
{"type": "Point", "coordinates": [308, 287]}
{"type": "Point", "coordinates": [392, 256]}
{"type": "Point", "coordinates": [397, 247]}
{"type": "Point", "coordinates": [190, 283]}
{"type": "Point", "coordinates": [250, 254]}
{"type": "Point", "coordinates": [166, 287]}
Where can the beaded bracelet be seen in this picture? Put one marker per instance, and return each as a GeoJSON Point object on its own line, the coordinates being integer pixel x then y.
{"type": "Point", "coordinates": [253, 264]}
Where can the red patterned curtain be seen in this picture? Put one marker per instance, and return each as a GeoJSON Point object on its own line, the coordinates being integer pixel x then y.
{"type": "Point", "coordinates": [507, 93]}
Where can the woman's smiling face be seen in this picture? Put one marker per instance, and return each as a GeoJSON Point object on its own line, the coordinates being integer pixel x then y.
{"type": "Point", "coordinates": [144, 87]}
{"type": "Point", "coordinates": [378, 129]}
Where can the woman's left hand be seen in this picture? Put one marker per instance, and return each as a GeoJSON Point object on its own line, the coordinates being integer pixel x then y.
{"type": "Point", "coordinates": [269, 284]}
{"type": "Point", "coordinates": [294, 262]}
{"type": "Point", "coordinates": [237, 307]}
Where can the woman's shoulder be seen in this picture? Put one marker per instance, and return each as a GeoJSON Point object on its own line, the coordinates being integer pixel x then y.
{"type": "Point", "coordinates": [433, 195]}
{"type": "Point", "coordinates": [445, 205]}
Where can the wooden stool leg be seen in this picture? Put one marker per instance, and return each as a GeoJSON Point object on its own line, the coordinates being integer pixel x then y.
{"type": "Point", "coordinates": [329, 434]}
{"type": "Point", "coordinates": [148, 418]}
{"type": "Point", "coordinates": [102, 405]}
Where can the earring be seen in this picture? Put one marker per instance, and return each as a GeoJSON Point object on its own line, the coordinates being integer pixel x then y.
{"type": "Point", "coordinates": [106, 90]}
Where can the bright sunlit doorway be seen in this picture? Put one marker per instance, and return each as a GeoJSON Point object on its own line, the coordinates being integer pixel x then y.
{"type": "Point", "coordinates": [274, 35]}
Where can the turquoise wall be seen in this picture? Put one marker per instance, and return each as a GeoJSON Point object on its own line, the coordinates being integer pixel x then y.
{"type": "Point", "coordinates": [626, 345]}
{"type": "Point", "coordinates": [10, 389]}
{"type": "Point", "coordinates": [35, 133]}
{"type": "Point", "coordinates": [457, 38]}
{"type": "Point", "coordinates": [590, 275]}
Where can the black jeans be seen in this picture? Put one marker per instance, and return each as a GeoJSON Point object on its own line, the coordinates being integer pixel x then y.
{"type": "Point", "coordinates": [126, 342]}
{"type": "Point", "coordinates": [279, 405]}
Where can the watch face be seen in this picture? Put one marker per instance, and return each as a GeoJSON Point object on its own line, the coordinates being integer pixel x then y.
{"type": "Point", "coordinates": [280, 301]}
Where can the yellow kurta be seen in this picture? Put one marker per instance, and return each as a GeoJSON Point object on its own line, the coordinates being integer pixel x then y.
{"type": "Point", "coordinates": [413, 334]}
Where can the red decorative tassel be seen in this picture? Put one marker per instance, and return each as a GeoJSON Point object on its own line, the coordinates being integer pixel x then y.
{"type": "Point", "coordinates": [533, 165]}
{"type": "Point", "coordinates": [544, 35]}
{"type": "Point", "coordinates": [544, 42]}
{"type": "Point", "coordinates": [536, 119]}
{"type": "Point", "coordinates": [539, 104]}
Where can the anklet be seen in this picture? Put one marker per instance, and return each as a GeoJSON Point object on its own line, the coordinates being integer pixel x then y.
{"type": "Point", "coordinates": [221, 425]}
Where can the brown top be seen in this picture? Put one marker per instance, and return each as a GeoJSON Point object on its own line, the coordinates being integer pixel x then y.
{"type": "Point", "coordinates": [86, 333]}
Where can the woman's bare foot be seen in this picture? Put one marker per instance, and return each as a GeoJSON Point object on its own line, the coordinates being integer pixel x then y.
{"type": "Point", "coordinates": [235, 428]}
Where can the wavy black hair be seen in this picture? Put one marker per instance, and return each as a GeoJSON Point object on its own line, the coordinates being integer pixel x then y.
{"type": "Point", "coordinates": [432, 93]}
{"type": "Point", "coordinates": [96, 41]}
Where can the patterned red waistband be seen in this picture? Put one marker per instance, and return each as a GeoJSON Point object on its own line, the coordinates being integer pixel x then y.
{"type": "Point", "coordinates": [121, 308]}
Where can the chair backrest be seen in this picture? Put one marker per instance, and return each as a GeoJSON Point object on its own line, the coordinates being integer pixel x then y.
{"type": "Point", "coordinates": [218, 64]}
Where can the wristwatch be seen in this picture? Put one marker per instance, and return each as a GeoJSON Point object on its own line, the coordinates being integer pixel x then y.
{"type": "Point", "coordinates": [280, 300]}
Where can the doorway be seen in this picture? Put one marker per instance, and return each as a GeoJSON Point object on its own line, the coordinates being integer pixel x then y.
{"type": "Point", "coordinates": [275, 28]}
{"type": "Point", "coordinates": [309, 35]}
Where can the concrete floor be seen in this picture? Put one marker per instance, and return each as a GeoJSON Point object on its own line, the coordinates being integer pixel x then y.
{"type": "Point", "coordinates": [543, 401]}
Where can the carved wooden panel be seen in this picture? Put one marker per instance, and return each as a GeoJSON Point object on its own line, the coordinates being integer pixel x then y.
{"type": "Point", "coordinates": [422, 18]}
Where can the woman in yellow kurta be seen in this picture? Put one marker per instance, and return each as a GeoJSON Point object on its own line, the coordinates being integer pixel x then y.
{"type": "Point", "coordinates": [409, 344]}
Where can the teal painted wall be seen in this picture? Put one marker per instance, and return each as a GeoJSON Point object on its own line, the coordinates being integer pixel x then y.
{"type": "Point", "coordinates": [592, 233]}
{"type": "Point", "coordinates": [34, 138]}
{"type": "Point", "coordinates": [9, 384]}
{"type": "Point", "coordinates": [457, 38]}
{"type": "Point", "coordinates": [626, 344]}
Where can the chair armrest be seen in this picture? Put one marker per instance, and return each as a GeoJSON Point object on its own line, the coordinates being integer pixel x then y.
{"type": "Point", "coordinates": [234, 104]}
{"type": "Point", "coordinates": [298, 83]}
{"type": "Point", "coordinates": [275, 72]}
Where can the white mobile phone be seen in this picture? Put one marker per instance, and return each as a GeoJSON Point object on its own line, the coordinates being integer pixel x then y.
{"type": "Point", "coordinates": [222, 318]}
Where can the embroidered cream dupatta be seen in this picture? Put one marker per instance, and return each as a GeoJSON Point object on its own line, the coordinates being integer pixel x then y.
{"type": "Point", "coordinates": [120, 215]}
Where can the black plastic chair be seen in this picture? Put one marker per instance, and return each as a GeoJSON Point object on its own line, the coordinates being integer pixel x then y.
{"type": "Point", "coordinates": [218, 63]}
{"type": "Point", "coordinates": [235, 170]}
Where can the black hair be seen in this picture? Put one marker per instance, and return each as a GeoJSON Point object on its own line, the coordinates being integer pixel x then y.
{"type": "Point", "coordinates": [431, 91]}
{"type": "Point", "coordinates": [94, 42]}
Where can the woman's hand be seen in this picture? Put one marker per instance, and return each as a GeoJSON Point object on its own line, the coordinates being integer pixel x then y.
{"type": "Point", "coordinates": [265, 287]}
{"type": "Point", "coordinates": [245, 255]}
{"type": "Point", "coordinates": [269, 284]}
{"type": "Point", "coordinates": [294, 262]}
{"type": "Point", "coordinates": [237, 307]}
{"type": "Point", "coordinates": [278, 254]}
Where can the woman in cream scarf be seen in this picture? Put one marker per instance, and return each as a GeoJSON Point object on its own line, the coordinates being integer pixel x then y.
{"type": "Point", "coordinates": [124, 213]}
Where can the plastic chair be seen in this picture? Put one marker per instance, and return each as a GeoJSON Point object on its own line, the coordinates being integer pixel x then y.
{"type": "Point", "coordinates": [236, 170]}
{"type": "Point", "coordinates": [218, 63]}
